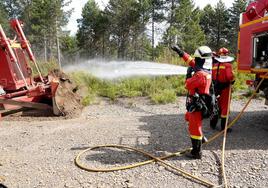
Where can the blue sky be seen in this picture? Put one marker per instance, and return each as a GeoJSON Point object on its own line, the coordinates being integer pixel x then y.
{"type": "Point", "coordinates": [78, 5]}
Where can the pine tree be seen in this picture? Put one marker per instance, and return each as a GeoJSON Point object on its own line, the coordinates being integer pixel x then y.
{"type": "Point", "coordinates": [216, 25]}
{"type": "Point", "coordinates": [157, 15]}
{"type": "Point", "coordinates": [238, 7]}
{"type": "Point", "coordinates": [171, 6]}
{"type": "Point", "coordinates": [123, 16]}
{"type": "Point", "coordinates": [10, 9]}
{"type": "Point", "coordinates": [140, 43]}
{"type": "Point", "coordinates": [208, 24]}
{"type": "Point", "coordinates": [44, 23]}
{"type": "Point", "coordinates": [3, 17]}
{"type": "Point", "coordinates": [92, 32]}
{"type": "Point", "coordinates": [118, 31]}
{"type": "Point", "coordinates": [14, 8]}
{"type": "Point", "coordinates": [69, 47]}
{"type": "Point", "coordinates": [222, 24]}
{"type": "Point", "coordinates": [186, 29]}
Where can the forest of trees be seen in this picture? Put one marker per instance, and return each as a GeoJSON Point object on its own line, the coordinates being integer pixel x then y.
{"type": "Point", "coordinates": [125, 29]}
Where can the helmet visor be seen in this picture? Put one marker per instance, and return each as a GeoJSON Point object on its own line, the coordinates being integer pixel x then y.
{"type": "Point", "coordinates": [206, 56]}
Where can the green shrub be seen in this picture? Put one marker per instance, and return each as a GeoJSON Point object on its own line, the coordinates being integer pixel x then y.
{"type": "Point", "coordinates": [109, 90]}
{"type": "Point", "coordinates": [89, 99]}
{"type": "Point", "coordinates": [164, 96]}
{"type": "Point", "coordinates": [134, 87]}
{"type": "Point", "coordinates": [240, 80]}
{"type": "Point", "coordinates": [178, 83]}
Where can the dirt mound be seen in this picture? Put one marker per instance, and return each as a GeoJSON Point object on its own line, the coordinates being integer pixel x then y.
{"type": "Point", "coordinates": [67, 99]}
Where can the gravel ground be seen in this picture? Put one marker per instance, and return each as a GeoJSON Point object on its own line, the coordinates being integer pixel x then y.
{"type": "Point", "coordinates": [40, 151]}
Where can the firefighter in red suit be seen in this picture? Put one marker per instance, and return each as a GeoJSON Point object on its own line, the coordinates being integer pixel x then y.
{"type": "Point", "coordinates": [198, 86]}
{"type": "Point", "coordinates": [223, 77]}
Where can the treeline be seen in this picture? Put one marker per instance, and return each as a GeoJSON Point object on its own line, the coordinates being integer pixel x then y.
{"type": "Point", "coordinates": [43, 23]}
{"type": "Point", "coordinates": [125, 29]}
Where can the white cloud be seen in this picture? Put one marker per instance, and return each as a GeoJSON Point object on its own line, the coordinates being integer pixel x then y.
{"type": "Point", "coordinates": [79, 4]}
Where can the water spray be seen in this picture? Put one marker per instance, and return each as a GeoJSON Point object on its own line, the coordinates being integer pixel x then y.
{"type": "Point", "coordinates": [125, 69]}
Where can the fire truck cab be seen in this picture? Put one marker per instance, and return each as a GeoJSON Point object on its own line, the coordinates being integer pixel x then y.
{"type": "Point", "coordinates": [253, 42]}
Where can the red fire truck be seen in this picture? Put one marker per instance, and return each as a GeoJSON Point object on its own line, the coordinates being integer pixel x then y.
{"type": "Point", "coordinates": [253, 42]}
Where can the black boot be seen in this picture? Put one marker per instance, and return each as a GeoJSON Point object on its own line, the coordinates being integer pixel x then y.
{"type": "Point", "coordinates": [213, 122]}
{"type": "Point", "coordinates": [223, 122]}
{"type": "Point", "coordinates": [196, 151]}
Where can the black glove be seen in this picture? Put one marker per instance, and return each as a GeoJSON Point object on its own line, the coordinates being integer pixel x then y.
{"type": "Point", "coordinates": [177, 49]}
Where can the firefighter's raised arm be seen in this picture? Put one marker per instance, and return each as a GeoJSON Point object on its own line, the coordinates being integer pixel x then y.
{"type": "Point", "coordinates": [177, 49]}
{"type": "Point", "coordinates": [186, 57]}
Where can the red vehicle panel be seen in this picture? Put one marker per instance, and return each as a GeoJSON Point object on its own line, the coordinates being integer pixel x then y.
{"type": "Point", "coordinates": [253, 42]}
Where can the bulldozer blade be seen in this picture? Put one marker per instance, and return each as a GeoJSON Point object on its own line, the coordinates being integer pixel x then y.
{"type": "Point", "coordinates": [54, 83]}
{"type": "Point", "coordinates": [65, 99]}
{"type": "Point", "coordinates": [56, 109]}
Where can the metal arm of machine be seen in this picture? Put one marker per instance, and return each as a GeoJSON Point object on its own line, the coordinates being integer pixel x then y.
{"type": "Point", "coordinates": [5, 43]}
{"type": "Point", "coordinates": [16, 25]}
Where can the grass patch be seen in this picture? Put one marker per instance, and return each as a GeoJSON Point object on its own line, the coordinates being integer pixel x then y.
{"type": "Point", "coordinates": [88, 99]}
{"type": "Point", "coordinates": [160, 90]}
{"type": "Point", "coordinates": [164, 96]}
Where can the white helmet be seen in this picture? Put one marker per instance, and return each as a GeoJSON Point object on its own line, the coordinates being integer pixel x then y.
{"type": "Point", "coordinates": [204, 52]}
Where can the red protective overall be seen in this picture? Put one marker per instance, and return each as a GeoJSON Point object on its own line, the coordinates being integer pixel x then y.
{"type": "Point", "coordinates": [223, 73]}
{"type": "Point", "coordinates": [200, 82]}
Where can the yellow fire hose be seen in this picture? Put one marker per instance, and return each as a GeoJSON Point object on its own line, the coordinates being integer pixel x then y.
{"type": "Point", "coordinates": [224, 141]}
{"type": "Point", "coordinates": [179, 153]}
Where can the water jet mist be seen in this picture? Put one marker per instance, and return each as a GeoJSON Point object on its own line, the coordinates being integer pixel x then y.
{"type": "Point", "coordinates": [125, 69]}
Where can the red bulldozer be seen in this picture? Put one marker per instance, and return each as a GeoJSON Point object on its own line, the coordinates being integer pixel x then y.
{"type": "Point", "coordinates": [20, 90]}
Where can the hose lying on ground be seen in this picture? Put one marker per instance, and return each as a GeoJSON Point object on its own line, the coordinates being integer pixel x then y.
{"type": "Point", "coordinates": [224, 141]}
{"type": "Point", "coordinates": [179, 153]}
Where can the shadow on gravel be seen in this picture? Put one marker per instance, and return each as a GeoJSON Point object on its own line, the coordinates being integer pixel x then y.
{"type": "Point", "coordinates": [114, 156]}
{"type": "Point", "coordinates": [169, 133]}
